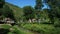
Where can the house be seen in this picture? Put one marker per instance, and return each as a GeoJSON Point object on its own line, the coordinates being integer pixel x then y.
{"type": "Point", "coordinates": [9, 21]}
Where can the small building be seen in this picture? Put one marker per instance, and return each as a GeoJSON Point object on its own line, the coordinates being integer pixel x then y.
{"type": "Point", "coordinates": [9, 21]}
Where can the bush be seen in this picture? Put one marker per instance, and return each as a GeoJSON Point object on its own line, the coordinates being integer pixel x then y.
{"type": "Point", "coordinates": [18, 30]}
{"type": "Point", "coordinates": [57, 22]}
{"type": "Point", "coordinates": [40, 28]}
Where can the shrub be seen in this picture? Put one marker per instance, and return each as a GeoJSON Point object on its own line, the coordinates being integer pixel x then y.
{"type": "Point", "coordinates": [40, 28]}
{"type": "Point", "coordinates": [57, 22]}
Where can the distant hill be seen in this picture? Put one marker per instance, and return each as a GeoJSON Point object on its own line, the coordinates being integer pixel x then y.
{"type": "Point", "coordinates": [18, 12]}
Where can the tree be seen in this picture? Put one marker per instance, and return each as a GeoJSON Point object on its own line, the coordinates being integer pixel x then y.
{"type": "Point", "coordinates": [39, 5]}
{"type": "Point", "coordinates": [38, 8]}
{"type": "Point", "coordinates": [54, 6]}
{"type": "Point", "coordinates": [8, 13]}
{"type": "Point", "coordinates": [54, 10]}
{"type": "Point", "coordinates": [2, 2]}
{"type": "Point", "coordinates": [28, 12]}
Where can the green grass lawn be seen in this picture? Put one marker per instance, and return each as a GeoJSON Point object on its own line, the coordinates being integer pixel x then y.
{"type": "Point", "coordinates": [5, 26]}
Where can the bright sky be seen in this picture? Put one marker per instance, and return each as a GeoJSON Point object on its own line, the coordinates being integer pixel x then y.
{"type": "Point", "coordinates": [22, 3]}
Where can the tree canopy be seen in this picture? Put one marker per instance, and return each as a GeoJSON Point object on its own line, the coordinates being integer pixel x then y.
{"type": "Point", "coordinates": [28, 12]}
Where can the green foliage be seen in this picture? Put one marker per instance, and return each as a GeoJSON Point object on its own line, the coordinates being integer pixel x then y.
{"type": "Point", "coordinates": [12, 11]}
{"type": "Point", "coordinates": [41, 28]}
{"type": "Point", "coordinates": [39, 5]}
{"type": "Point", "coordinates": [53, 15]}
{"type": "Point", "coordinates": [2, 2]}
{"type": "Point", "coordinates": [8, 12]}
{"type": "Point", "coordinates": [54, 11]}
{"type": "Point", "coordinates": [18, 30]}
{"type": "Point", "coordinates": [54, 7]}
{"type": "Point", "coordinates": [56, 22]}
{"type": "Point", "coordinates": [7, 29]}
{"type": "Point", "coordinates": [28, 12]}
{"type": "Point", "coordinates": [17, 11]}
{"type": "Point", "coordinates": [5, 26]}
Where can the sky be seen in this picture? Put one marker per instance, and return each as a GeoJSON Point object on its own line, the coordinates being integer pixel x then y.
{"type": "Point", "coordinates": [22, 3]}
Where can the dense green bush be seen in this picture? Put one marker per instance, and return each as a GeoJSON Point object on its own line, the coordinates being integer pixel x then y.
{"type": "Point", "coordinates": [57, 22]}
{"type": "Point", "coordinates": [7, 29]}
{"type": "Point", "coordinates": [41, 28]}
{"type": "Point", "coordinates": [17, 30]}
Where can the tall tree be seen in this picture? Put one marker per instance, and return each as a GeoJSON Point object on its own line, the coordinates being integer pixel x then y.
{"type": "Point", "coordinates": [38, 8]}
{"type": "Point", "coordinates": [54, 9]}
{"type": "Point", "coordinates": [39, 5]}
{"type": "Point", "coordinates": [2, 2]}
{"type": "Point", "coordinates": [28, 12]}
{"type": "Point", "coordinates": [8, 12]}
